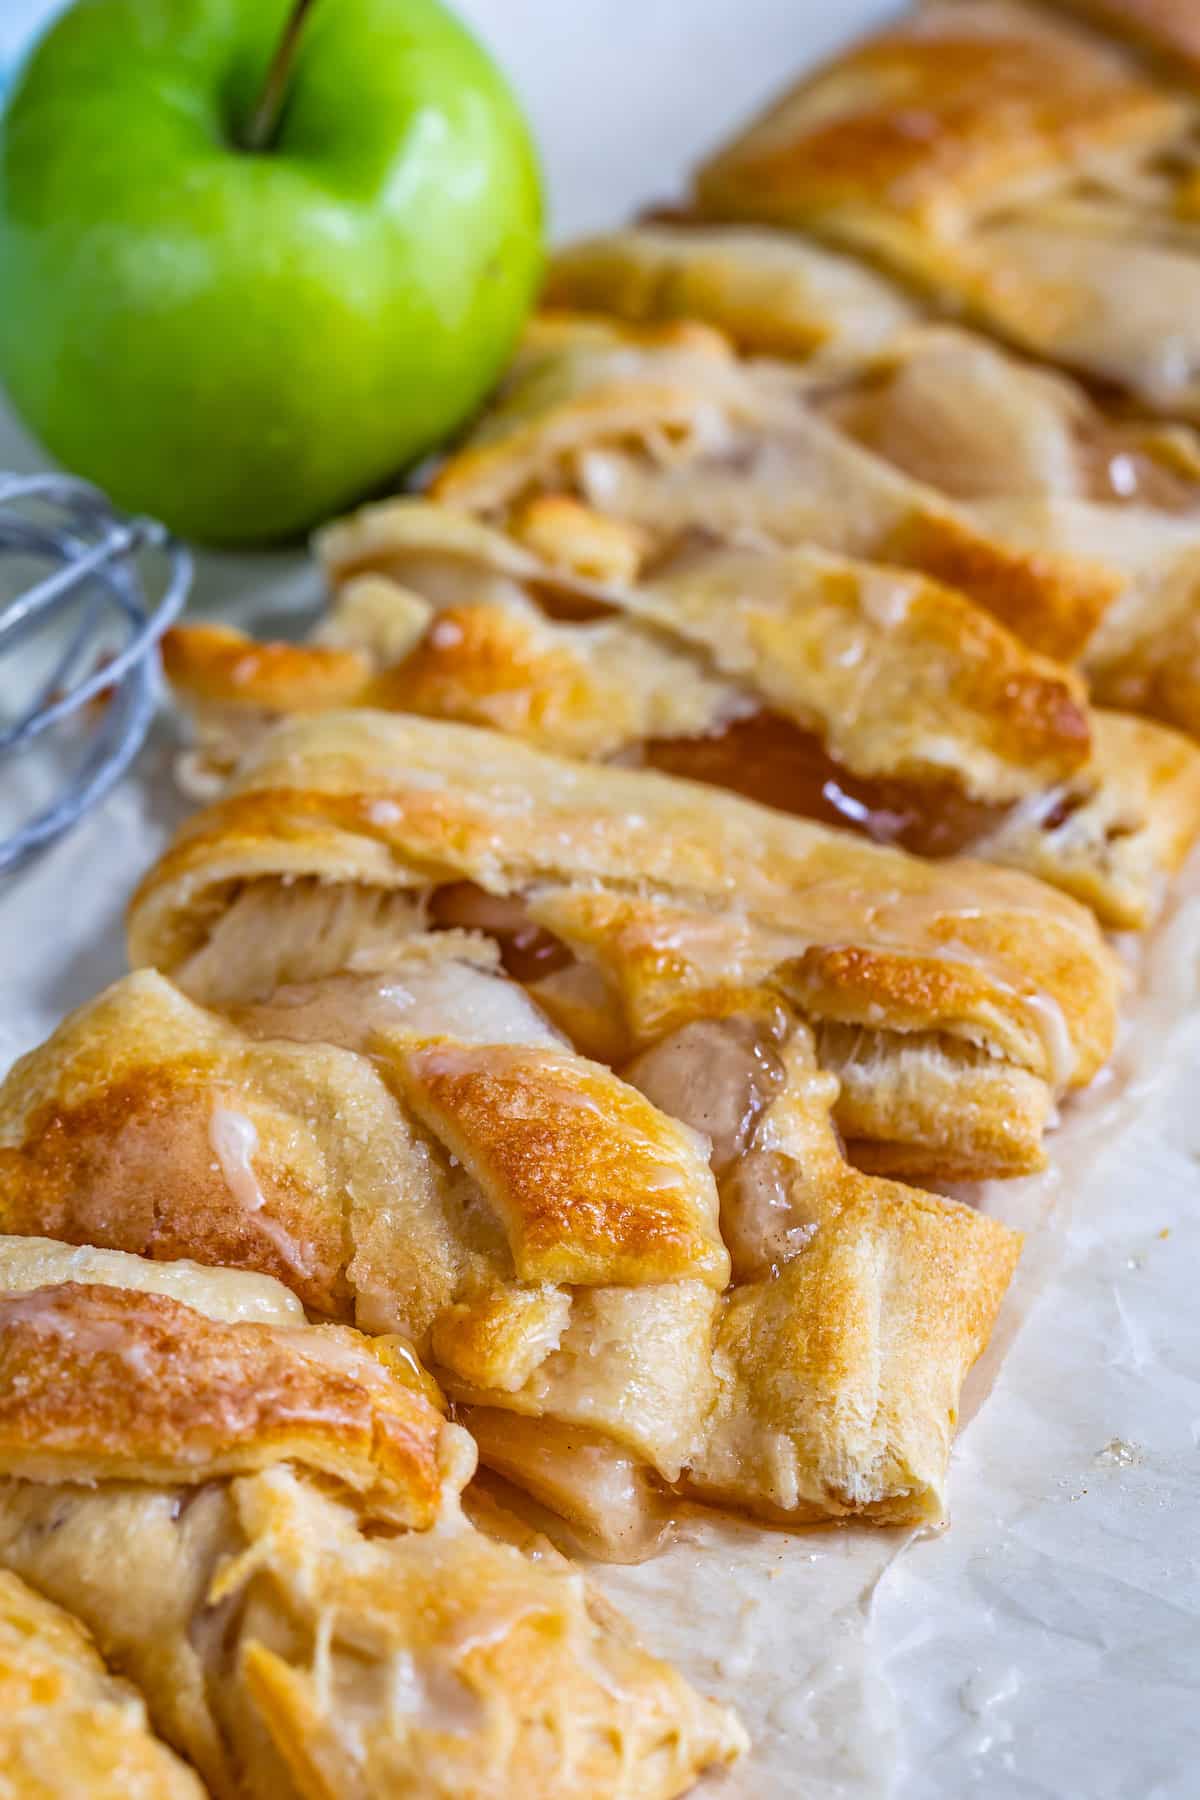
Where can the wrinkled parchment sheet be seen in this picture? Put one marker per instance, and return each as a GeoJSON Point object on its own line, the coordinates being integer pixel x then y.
{"type": "Point", "coordinates": [1048, 1642]}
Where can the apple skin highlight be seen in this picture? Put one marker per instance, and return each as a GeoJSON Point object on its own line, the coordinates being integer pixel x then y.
{"type": "Point", "coordinates": [242, 342]}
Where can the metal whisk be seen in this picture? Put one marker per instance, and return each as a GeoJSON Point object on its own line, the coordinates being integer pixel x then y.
{"type": "Point", "coordinates": [85, 594]}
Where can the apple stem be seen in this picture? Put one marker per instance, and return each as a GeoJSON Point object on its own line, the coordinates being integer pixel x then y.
{"type": "Point", "coordinates": [260, 131]}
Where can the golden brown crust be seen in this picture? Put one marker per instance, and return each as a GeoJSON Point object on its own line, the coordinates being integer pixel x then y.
{"type": "Point", "coordinates": [775, 672]}
{"type": "Point", "coordinates": [960, 101]}
{"type": "Point", "coordinates": [773, 295]}
{"type": "Point", "coordinates": [840, 1370]}
{"type": "Point", "coordinates": [580, 1204]}
{"type": "Point", "coordinates": [1007, 986]}
{"type": "Point", "coordinates": [1145, 657]}
{"type": "Point", "coordinates": [587, 1712]}
{"type": "Point", "coordinates": [979, 424]}
{"type": "Point", "coordinates": [796, 622]}
{"type": "Point", "coordinates": [1047, 188]}
{"type": "Point", "coordinates": [383, 802]}
{"type": "Point", "coordinates": [786, 626]}
{"type": "Point", "coordinates": [68, 1727]}
{"type": "Point", "coordinates": [917, 1104]}
{"type": "Point", "coordinates": [226, 665]}
{"type": "Point", "coordinates": [747, 452]}
{"type": "Point", "coordinates": [268, 1630]}
{"type": "Point", "coordinates": [1045, 600]}
{"type": "Point", "coordinates": [570, 536]}
{"type": "Point", "coordinates": [630, 1365]}
{"type": "Point", "coordinates": [539, 1168]}
{"type": "Point", "coordinates": [589, 693]}
{"type": "Point", "coordinates": [297, 1158]}
{"type": "Point", "coordinates": [430, 1253]}
{"type": "Point", "coordinates": [920, 1109]}
{"type": "Point", "coordinates": [899, 675]}
{"type": "Point", "coordinates": [101, 1384]}
{"type": "Point", "coordinates": [141, 1081]}
{"type": "Point", "coordinates": [272, 1616]}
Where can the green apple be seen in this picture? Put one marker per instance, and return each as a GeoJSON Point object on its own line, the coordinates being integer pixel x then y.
{"type": "Point", "coordinates": [240, 341]}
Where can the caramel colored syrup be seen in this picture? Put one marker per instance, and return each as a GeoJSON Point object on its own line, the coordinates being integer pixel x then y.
{"type": "Point", "coordinates": [769, 759]}
{"type": "Point", "coordinates": [1115, 466]}
{"type": "Point", "coordinates": [567, 604]}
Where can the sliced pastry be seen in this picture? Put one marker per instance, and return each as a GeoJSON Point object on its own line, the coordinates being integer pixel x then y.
{"type": "Point", "coordinates": [1010, 163]}
{"type": "Point", "coordinates": [67, 1727]}
{"type": "Point", "coordinates": [773, 294]}
{"type": "Point", "coordinates": [544, 1234]}
{"type": "Point", "coordinates": [861, 696]}
{"type": "Point", "coordinates": [950, 406]}
{"type": "Point", "coordinates": [258, 1519]}
{"type": "Point", "coordinates": [971, 997]}
{"type": "Point", "coordinates": [637, 1289]}
{"type": "Point", "coordinates": [1043, 466]}
{"type": "Point", "coordinates": [1039, 461]}
{"type": "Point", "coordinates": [665, 429]}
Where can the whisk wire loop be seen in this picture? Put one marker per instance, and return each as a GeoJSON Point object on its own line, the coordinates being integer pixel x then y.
{"type": "Point", "coordinates": [78, 657]}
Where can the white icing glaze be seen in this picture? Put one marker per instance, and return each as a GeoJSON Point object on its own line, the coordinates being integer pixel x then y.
{"type": "Point", "coordinates": [229, 1295]}
{"type": "Point", "coordinates": [234, 1140]}
{"type": "Point", "coordinates": [51, 1315]}
{"type": "Point", "coordinates": [1056, 1035]}
{"type": "Point", "coordinates": [887, 597]}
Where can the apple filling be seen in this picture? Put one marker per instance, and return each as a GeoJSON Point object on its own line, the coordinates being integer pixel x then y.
{"type": "Point", "coordinates": [720, 1076]}
{"type": "Point", "coordinates": [716, 1075]}
{"type": "Point", "coordinates": [977, 425]}
{"type": "Point", "coordinates": [610, 1498]}
{"type": "Point", "coordinates": [1122, 465]}
{"type": "Point", "coordinates": [527, 952]}
{"type": "Point", "coordinates": [897, 1089]}
{"type": "Point", "coordinates": [761, 1221]}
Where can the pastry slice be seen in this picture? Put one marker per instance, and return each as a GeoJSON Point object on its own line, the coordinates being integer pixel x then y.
{"type": "Point", "coordinates": [1040, 462]}
{"type": "Point", "coordinates": [68, 1727]}
{"type": "Point", "coordinates": [857, 1306]}
{"type": "Point", "coordinates": [1047, 469]}
{"type": "Point", "coordinates": [996, 977]}
{"type": "Point", "coordinates": [1049, 190]}
{"type": "Point", "coordinates": [668, 431]}
{"type": "Point", "coordinates": [860, 696]}
{"type": "Point", "coordinates": [544, 1233]}
{"type": "Point", "coordinates": [949, 406]}
{"type": "Point", "coordinates": [774, 295]}
{"type": "Point", "coordinates": [181, 1467]}
{"type": "Point", "coordinates": [545, 1236]}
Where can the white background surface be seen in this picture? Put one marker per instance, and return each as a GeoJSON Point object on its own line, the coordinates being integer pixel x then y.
{"type": "Point", "coordinates": [1047, 1647]}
